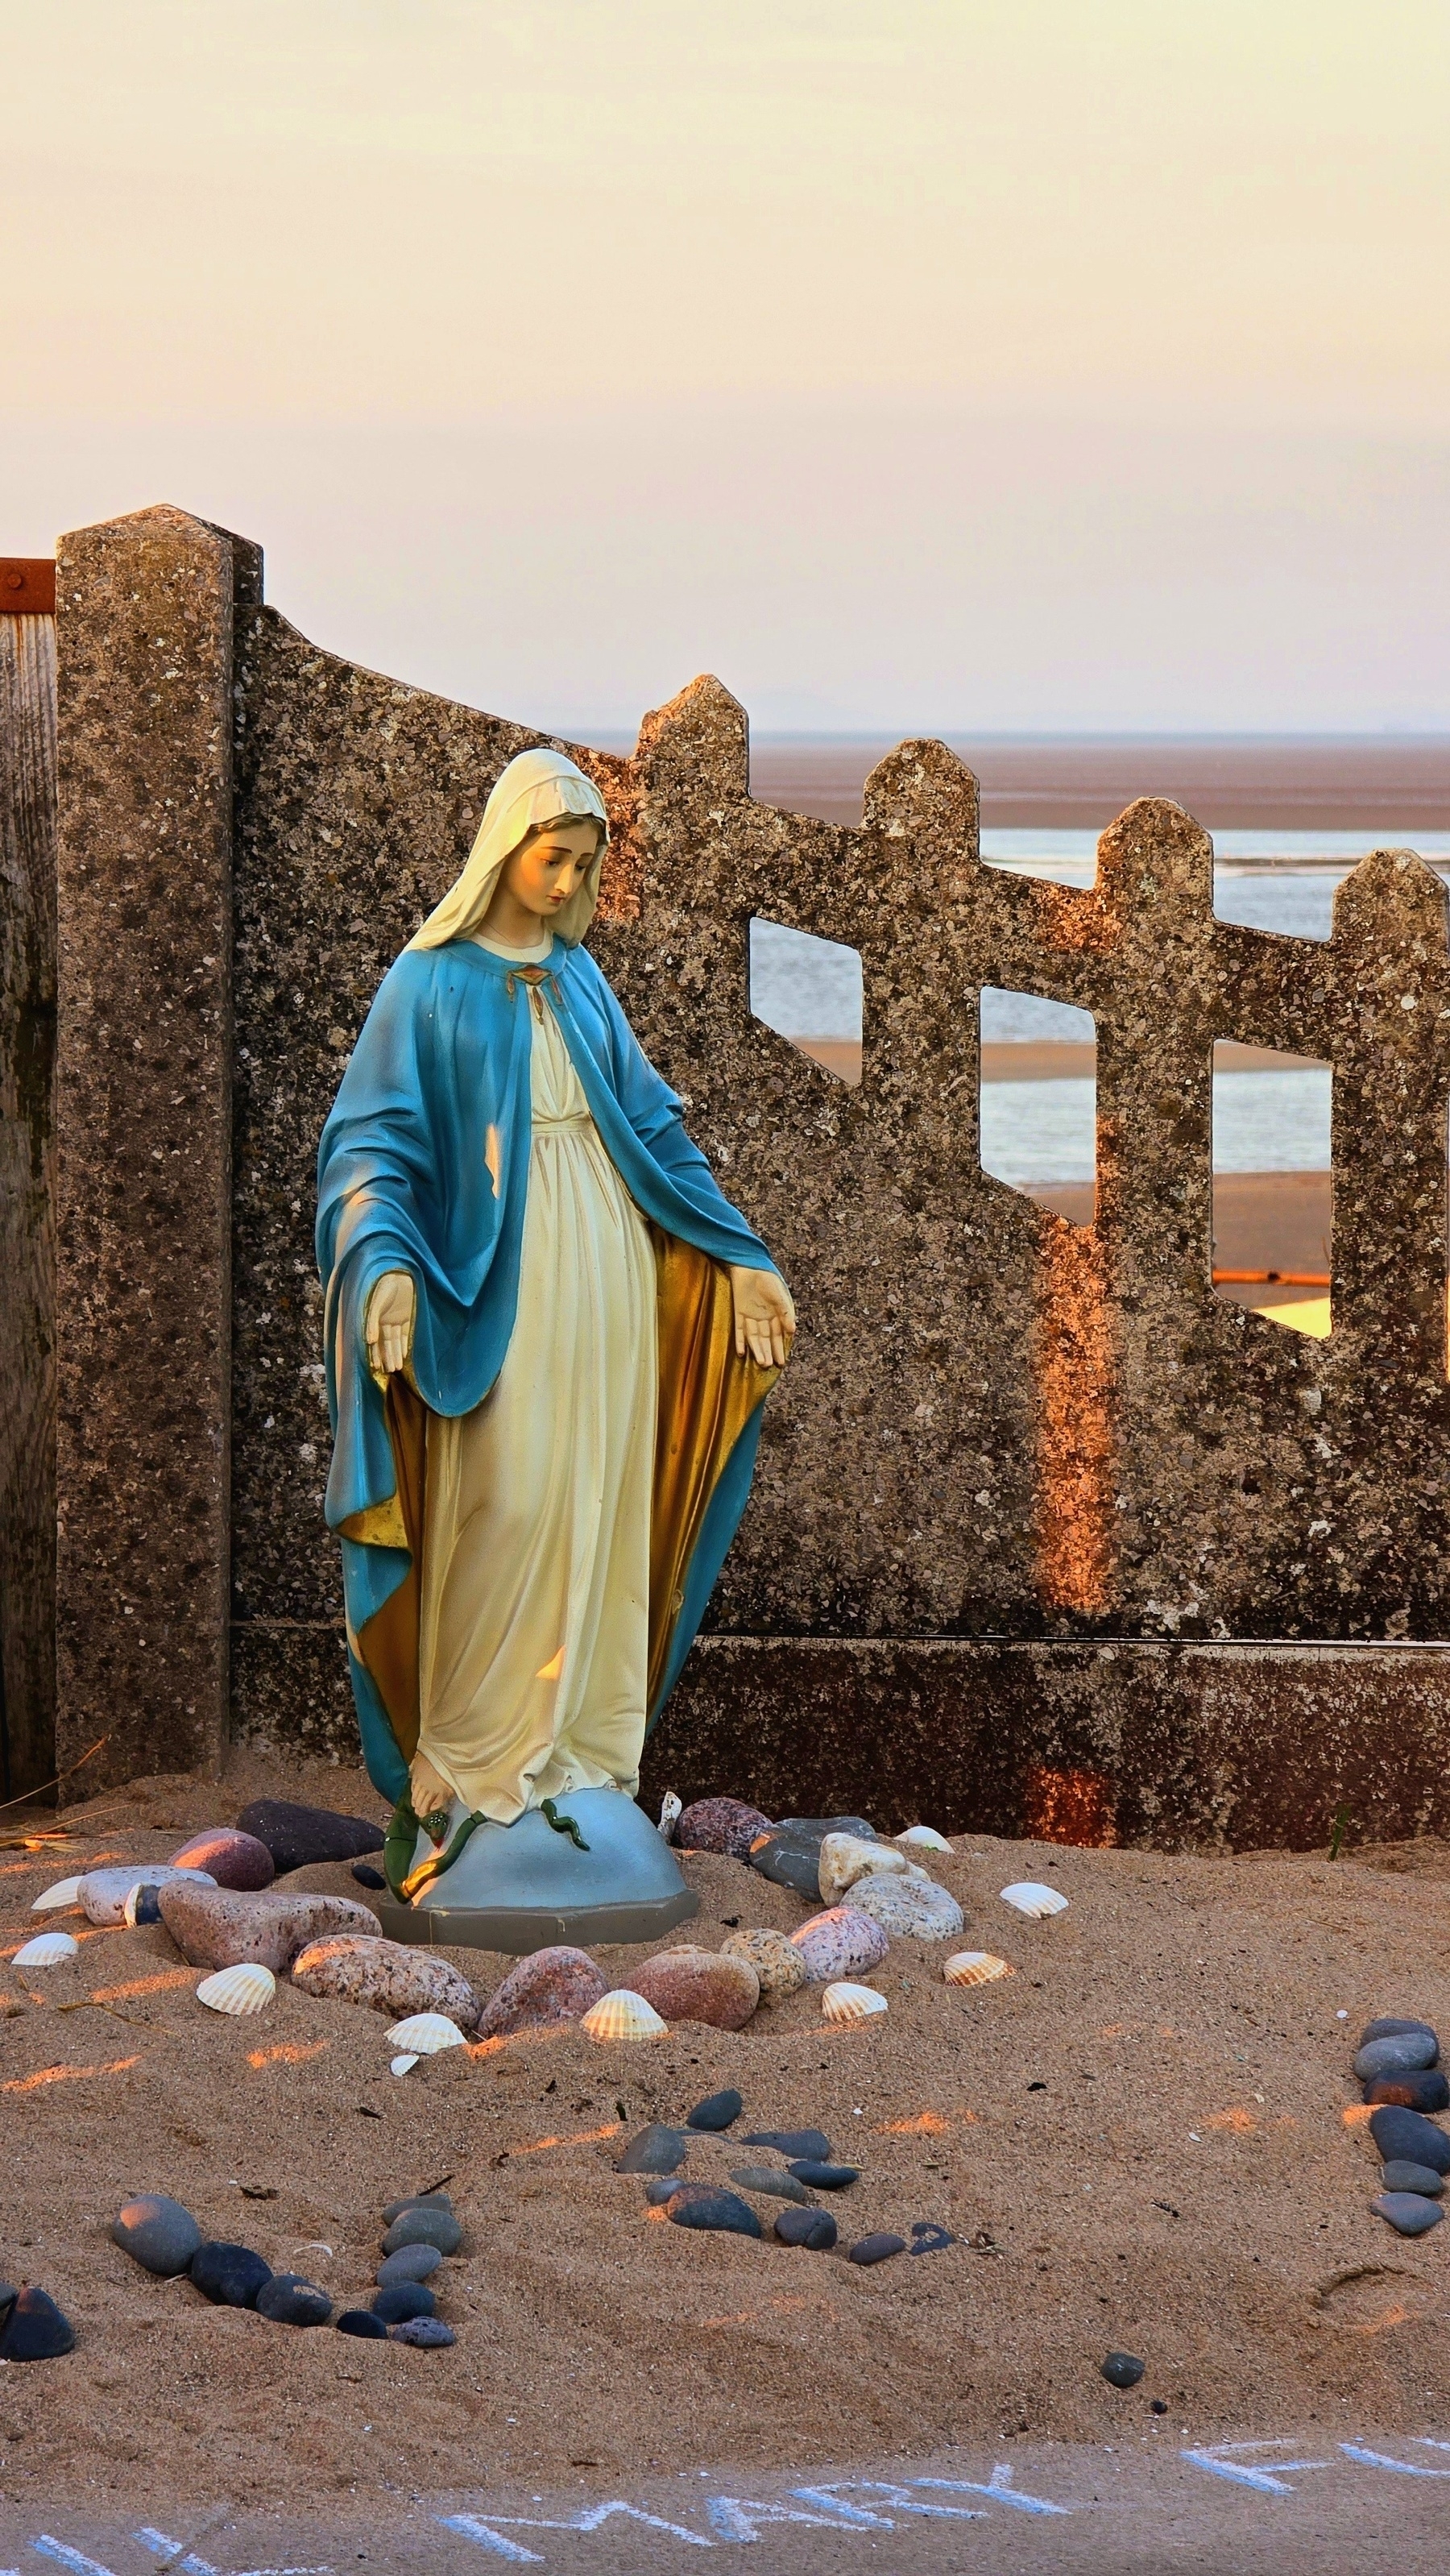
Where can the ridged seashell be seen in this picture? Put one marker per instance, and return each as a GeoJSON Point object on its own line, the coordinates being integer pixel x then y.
{"type": "Point", "coordinates": [623, 2015]}
{"type": "Point", "coordinates": [851, 2003]}
{"type": "Point", "coordinates": [47, 1950]}
{"type": "Point", "coordinates": [401, 2065]}
{"type": "Point", "coordinates": [426, 2033]}
{"type": "Point", "coordinates": [238, 1990]}
{"type": "Point", "coordinates": [1028, 1898]}
{"type": "Point", "coordinates": [975, 1968]}
{"type": "Point", "coordinates": [923, 1838]}
{"type": "Point", "coordinates": [66, 1891]}
{"type": "Point", "coordinates": [671, 1810]}
{"type": "Point", "coordinates": [846, 1857]}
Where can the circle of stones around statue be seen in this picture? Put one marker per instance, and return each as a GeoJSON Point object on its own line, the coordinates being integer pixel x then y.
{"type": "Point", "coordinates": [779, 1967]}
{"type": "Point", "coordinates": [790, 1854]}
{"type": "Point", "coordinates": [102, 1893]}
{"type": "Point", "coordinates": [691, 1984]}
{"type": "Point", "coordinates": [558, 1984]}
{"type": "Point", "coordinates": [839, 1944]}
{"type": "Point", "coordinates": [846, 1859]}
{"type": "Point", "coordinates": [229, 1858]}
{"type": "Point", "coordinates": [217, 1927]}
{"type": "Point", "coordinates": [298, 1836]}
{"type": "Point", "coordinates": [390, 1976]}
{"type": "Point", "coordinates": [723, 1825]}
{"type": "Point", "coordinates": [912, 1908]}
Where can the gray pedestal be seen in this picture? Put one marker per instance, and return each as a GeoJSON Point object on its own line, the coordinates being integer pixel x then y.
{"type": "Point", "coordinates": [522, 1886]}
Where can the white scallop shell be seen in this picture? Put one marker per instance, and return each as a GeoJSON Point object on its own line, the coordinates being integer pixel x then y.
{"type": "Point", "coordinates": [401, 2065]}
{"type": "Point", "coordinates": [248, 1989]}
{"type": "Point", "coordinates": [924, 1838]}
{"type": "Point", "coordinates": [622, 2014]}
{"type": "Point", "coordinates": [851, 2003]}
{"type": "Point", "coordinates": [426, 2033]}
{"type": "Point", "coordinates": [47, 1950]}
{"type": "Point", "coordinates": [66, 1891]}
{"type": "Point", "coordinates": [1029, 1898]}
{"type": "Point", "coordinates": [975, 1968]}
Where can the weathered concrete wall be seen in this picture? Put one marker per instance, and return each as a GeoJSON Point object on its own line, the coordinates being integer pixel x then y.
{"type": "Point", "coordinates": [995, 1425]}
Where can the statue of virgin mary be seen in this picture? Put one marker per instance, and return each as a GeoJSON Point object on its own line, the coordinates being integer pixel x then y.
{"type": "Point", "coordinates": [549, 1340]}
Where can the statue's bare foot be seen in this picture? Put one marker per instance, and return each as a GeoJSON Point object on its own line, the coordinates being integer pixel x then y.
{"type": "Point", "coordinates": [431, 1797]}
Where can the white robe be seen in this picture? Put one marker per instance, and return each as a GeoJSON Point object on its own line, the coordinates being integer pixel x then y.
{"type": "Point", "coordinates": [535, 1586]}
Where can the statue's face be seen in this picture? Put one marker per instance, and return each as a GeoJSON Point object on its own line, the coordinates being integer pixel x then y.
{"type": "Point", "coordinates": [551, 867]}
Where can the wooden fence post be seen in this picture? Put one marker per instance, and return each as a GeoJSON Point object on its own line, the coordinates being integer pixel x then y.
{"type": "Point", "coordinates": [27, 1175]}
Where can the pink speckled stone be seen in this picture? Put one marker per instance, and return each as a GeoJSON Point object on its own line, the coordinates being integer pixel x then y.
{"type": "Point", "coordinates": [698, 1985]}
{"type": "Point", "coordinates": [723, 1825]}
{"type": "Point", "coordinates": [842, 1942]}
{"type": "Point", "coordinates": [553, 1985]}
{"type": "Point", "coordinates": [231, 1858]}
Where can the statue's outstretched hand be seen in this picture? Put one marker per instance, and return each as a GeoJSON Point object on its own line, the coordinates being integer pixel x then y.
{"type": "Point", "coordinates": [389, 1327]}
{"type": "Point", "coordinates": [764, 1316]}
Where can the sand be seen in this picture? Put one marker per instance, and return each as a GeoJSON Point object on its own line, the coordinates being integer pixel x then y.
{"type": "Point", "coordinates": [1139, 2140]}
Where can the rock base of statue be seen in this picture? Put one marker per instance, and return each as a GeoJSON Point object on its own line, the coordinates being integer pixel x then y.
{"type": "Point", "coordinates": [520, 1887]}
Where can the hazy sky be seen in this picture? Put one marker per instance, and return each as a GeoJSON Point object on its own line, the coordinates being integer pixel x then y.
{"type": "Point", "coordinates": [910, 363]}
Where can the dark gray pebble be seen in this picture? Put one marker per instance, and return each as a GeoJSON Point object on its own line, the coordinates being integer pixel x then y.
{"type": "Point", "coordinates": [410, 2263]}
{"type": "Point", "coordinates": [717, 2111]}
{"type": "Point", "coordinates": [289, 2300]}
{"type": "Point", "coordinates": [229, 2275]}
{"type": "Point", "coordinates": [818, 2176]}
{"type": "Point", "coordinates": [362, 2323]}
{"type": "Point", "coordinates": [157, 2233]}
{"type": "Point", "coordinates": [402, 2300]}
{"type": "Point", "coordinates": [1398, 2176]}
{"type": "Point", "coordinates": [424, 2333]}
{"type": "Point", "coordinates": [876, 2249]}
{"type": "Point", "coordinates": [366, 1876]}
{"type": "Point", "coordinates": [1398, 2053]}
{"type": "Point", "coordinates": [792, 2142]}
{"type": "Point", "coordinates": [663, 2189]}
{"type": "Point", "coordinates": [298, 1836]}
{"type": "Point", "coordinates": [36, 2330]}
{"type": "Point", "coordinates": [927, 2237]}
{"type": "Point", "coordinates": [147, 1907]}
{"type": "Point", "coordinates": [8, 2296]}
{"type": "Point", "coordinates": [791, 1856]}
{"type": "Point", "coordinates": [656, 2150]}
{"type": "Point", "coordinates": [1417, 2089]}
{"type": "Point", "coordinates": [1410, 2137]}
{"type": "Point", "coordinates": [416, 2200]}
{"type": "Point", "coordinates": [815, 2229]}
{"type": "Point", "coordinates": [722, 2211]}
{"type": "Point", "coordinates": [1390, 2028]}
{"type": "Point", "coordinates": [1407, 2213]}
{"type": "Point", "coordinates": [770, 2180]}
{"type": "Point", "coordinates": [424, 2227]}
{"type": "Point", "coordinates": [1123, 2369]}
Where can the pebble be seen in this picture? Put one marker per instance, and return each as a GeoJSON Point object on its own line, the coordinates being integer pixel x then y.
{"type": "Point", "coordinates": [297, 1836]}
{"type": "Point", "coordinates": [928, 2237]}
{"type": "Point", "coordinates": [777, 1964]}
{"type": "Point", "coordinates": [290, 2301]}
{"type": "Point", "coordinates": [417, 2200]}
{"type": "Point", "coordinates": [876, 2249]}
{"type": "Point", "coordinates": [1398, 2052]}
{"type": "Point", "coordinates": [410, 2263]}
{"type": "Point", "coordinates": [217, 1927]}
{"type": "Point", "coordinates": [366, 1876]}
{"type": "Point", "coordinates": [426, 2334]}
{"type": "Point", "coordinates": [1123, 2369]}
{"type": "Point", "coordinates": [717, 2111]}
{"type": "Point", "coordinates": [818, 2175]}
{"type": "Point", "coordinates": [840, 1943]}
{"type": "Point", "coordinates": [687, 1984]}
{"type": "Point", "coordinates": [909, 1909]}
{"type": "Point", "coordinates": [1407, 2212]}
{"type": "Point", "coordinates": [770, 2180]}
{"type": "Point", "coordinates": [656, 2150]}
{"type": "Point", "coordinates": [792, 2142]}
{"type": "Point", "coordinates": [390, 1976]}
{"type": "Point", "coordinates": [229, 2275]}
{"type": "Point", "coordinates": [1426, 2091]}
{"type": "Point", "coordinates": [424, 2227]}
{"type": "Point", "coordinates": [845, 1858]}
{"type": "Point", "coordinates": [36, 2329]}
{"type": "Point", "coordinates": [815, 2229]}
{"type": "Point", "coordinates": [1410, 2137]}
{"type": "Point", "coordinates": [102, 1893]}
{"type": "Point", "coordinates": [723, 2211]}
{"type": "Point", "coordinates": [791, 1855]}
{"type": "Point", "coordinates": [663, 2189]}
{"type": "Point", "coordinates": [142, 1906]}
{"type": "Point", "coordinates": [1389, 2028]}
{"type": "Point", "coordinates": [1399, 2176]}
{"type": "Point", "coordinates": [229, 1858]}
{"type": "Point", "coordinates": [158, 2234]}
{"type": "Point", "coordinates": [554, 1985]}
{"type": "Point", "coordinates": [402, 2300]}
{"type": "Point", "coordinates": [724, 1825]}
{"type": "Point", "coordinates": [362, 2323]}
